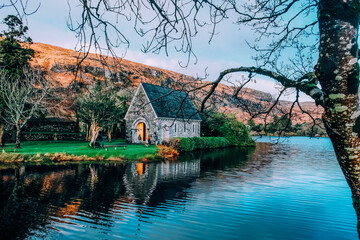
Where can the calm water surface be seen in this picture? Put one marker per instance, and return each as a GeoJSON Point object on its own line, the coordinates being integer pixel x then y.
{"type": "Point", "coordinates": [290, 190]}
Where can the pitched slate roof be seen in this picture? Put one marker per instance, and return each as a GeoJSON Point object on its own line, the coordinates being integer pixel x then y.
{"type": "Point", "coordinates": [170, 103]}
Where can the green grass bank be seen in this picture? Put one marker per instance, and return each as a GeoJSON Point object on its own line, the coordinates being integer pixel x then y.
{"type": "Point", "coordinates": [73, 151]}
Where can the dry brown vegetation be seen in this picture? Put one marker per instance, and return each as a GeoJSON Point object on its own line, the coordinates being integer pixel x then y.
{"type": "Point", "coordinates": [60, 66]}
{"type": "Point", "coordinates": [53, 157]}
{"type": "Point", "coordinates": [166, 152]}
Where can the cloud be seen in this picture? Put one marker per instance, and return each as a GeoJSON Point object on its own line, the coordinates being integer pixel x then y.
{"type": "Point", "coordinates": [227, 49]}
{"type": "Point", "coordinates": [213, 67]}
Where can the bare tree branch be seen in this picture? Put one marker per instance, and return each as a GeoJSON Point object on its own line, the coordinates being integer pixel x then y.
{"type": "Point", "coordinates": [22, 97]}
{"type": "Point", "coordinates": [308, 87]}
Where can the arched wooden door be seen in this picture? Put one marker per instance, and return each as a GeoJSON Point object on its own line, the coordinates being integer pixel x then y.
{"type": "Point", "coordinates": [142, 131]}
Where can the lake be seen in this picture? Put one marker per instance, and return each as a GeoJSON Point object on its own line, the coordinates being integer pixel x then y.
{"type": "Point", "coordinates": [290, 190]}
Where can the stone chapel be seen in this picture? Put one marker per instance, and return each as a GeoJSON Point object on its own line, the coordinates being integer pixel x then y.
{"type": "Point", "coordinates": [162, 113]}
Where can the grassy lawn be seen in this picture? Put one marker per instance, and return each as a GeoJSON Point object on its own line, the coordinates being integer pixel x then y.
{"type": "Point", "coordinates": [80, 148]}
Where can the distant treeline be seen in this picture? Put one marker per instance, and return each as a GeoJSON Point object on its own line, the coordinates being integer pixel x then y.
{"type": "Point", "coordinates": [283, 126]}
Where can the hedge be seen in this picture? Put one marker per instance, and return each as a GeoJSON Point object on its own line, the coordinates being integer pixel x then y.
{"type": "Point", "coordinates": [196, 143]}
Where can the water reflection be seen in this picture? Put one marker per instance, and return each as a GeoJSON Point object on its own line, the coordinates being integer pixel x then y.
{"type": "Point", "coordinates": [32, 197]}
{"type": "Point", "coordinates": [147, 200]}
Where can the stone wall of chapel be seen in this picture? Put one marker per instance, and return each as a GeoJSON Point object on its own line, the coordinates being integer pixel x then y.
{"type": "Point", "coordinates": [169, 128]}
{"type": "Point", "coordinates": [140, 109]}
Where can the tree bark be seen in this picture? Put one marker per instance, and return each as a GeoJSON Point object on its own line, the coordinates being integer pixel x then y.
{"type": "Point", "coordinates": [338, 72]}
{"type": "Point", "coordinates": [94, 132]}
{"type": "Point", "coordinates": [87, 137]}
{"type": "Point", "coordinates": [91, 132]}
{"type": "Point", "coordinates": [18, 131]}
{"type": "Point", "coordinates": [1, 132]}
{"type": "Point", "coordinates": [109, 134]}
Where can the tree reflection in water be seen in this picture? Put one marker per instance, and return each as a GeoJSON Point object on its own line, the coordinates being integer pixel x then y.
{"type": "Point", "coordinates": [33, 198]}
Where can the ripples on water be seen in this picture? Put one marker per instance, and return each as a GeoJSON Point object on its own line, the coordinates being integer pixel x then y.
{"type": "Point", "coordinates": [290, 190]}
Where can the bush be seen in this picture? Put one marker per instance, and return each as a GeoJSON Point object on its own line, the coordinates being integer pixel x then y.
{"type": "Point", "coordinates": [167, 152]}
{"type": "Point", "coordinates": [196, 143]}
{"type": "Point", "coordinates": [227, 126]}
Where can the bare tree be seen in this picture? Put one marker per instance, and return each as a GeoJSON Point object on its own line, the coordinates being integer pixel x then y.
{"type": "Point", "coordinates": [22, 97]}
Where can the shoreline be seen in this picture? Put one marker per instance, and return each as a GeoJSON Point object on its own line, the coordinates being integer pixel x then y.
{"type": "Point", "coordinates": [76, 151]}
{"type": "Point", "coordinates": [8, 160]}
{"type": "Point", "coordinates": [89, 155]}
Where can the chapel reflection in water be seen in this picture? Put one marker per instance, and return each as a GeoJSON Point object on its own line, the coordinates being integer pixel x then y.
{"type": "Point", "coordinates": [33, 197]}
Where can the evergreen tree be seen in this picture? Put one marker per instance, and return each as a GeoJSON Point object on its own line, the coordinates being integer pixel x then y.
{"type": "Point", "coordinates": [13, 56]}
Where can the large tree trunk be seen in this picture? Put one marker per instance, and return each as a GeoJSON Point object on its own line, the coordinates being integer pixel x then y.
{"type": "Point", "coordinates": [1, 132]}
{"type": "Point", "coordinates": [18, 132]}
{"type": "Point", "coordinates": [338, 72]}
{"type": "Point", "coordinates": [93, 133]}
{"type": "Point", "coordinates": [109, 130]}
{"type": "Point", "coordinates": [87, 137]}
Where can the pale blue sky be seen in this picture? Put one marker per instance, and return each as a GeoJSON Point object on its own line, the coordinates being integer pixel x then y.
{"type": "Point", "coordinates": [227, 49]}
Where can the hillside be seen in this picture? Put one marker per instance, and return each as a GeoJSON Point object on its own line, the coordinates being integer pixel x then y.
{"type": "Point", "coordinates": [59, 65]}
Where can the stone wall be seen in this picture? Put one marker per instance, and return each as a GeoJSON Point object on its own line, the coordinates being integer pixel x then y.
{"type": "Point", "coordinates": [50, 129]}
{"type": "Point", "coordinates": [170, 128]}
{"type": "Point", "coordinates": [139, 111]}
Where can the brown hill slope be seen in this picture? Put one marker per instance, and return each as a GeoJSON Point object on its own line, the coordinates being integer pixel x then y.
{"type": "Point", "coordinates": [60, 64]}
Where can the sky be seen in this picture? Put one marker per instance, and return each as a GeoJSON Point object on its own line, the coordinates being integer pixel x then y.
{"type": "Point", "coordinates": [228, 47]}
